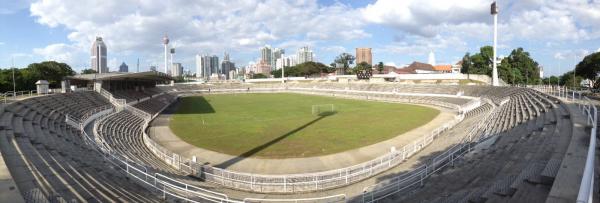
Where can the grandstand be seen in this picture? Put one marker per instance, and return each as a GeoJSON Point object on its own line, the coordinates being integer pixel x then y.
{"type": "Point", "coordinates": [506, 144]}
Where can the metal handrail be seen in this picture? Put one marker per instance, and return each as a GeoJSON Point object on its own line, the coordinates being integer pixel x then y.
{"type": "Point", "coordinates": [589, 109]}
{"type": "Point", "coordinates": [308, 181]}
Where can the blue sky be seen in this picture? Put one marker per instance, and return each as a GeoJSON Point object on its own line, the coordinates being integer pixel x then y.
{"type": "Point", "coordinates": [554, 32]}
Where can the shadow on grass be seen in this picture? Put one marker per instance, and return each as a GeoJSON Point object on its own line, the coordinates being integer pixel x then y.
{"type": "Point", "coordinates": [265, 145]}
{"type": "Point", "coordinates": [193, 105]}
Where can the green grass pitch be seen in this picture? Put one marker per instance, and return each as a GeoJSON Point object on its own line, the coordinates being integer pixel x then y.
{"type": "Point", "coordinates": [282, 125]}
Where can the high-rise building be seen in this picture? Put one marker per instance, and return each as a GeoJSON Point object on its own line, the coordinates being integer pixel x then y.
{"type": "Point", "coordinates": [227, 66]}
{"type": "Point", "coordinates": [266, 55]}
{"type": "Point", "coordinates": [123, 68]}
{"type": "Point", "coordinates": [304, 54]}
{"type": "Point", "coordinates": [176, 70]}
{"type": "Point", "coordinates": [364, 55]}
{"type": "Point", "coordinates": [98, 56]}
{"type": "Point", "coordinates": [206, 66]}
{"type": "Point", "coordinates": [152, 68]}
{"type": "Point", "coordinates": [214, 64]}
{"type": "Point", "coordinates": [277, 54]}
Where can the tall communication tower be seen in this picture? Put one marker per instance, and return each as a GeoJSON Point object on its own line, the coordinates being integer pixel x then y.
{"type": "Point", "coordinates": [166, 43]}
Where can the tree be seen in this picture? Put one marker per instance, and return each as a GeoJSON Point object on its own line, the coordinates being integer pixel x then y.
{"type": "Point", "coordinates": [552, 80]}
{"type": "Point", "coordinates": [259, 76]}
{"type": "Point", "coordinates": [88, 71]}
{"type": "Point", "coordinates": [517, 68]}
{"type": "Point", "coordinates": [567, 79]}
{"type": "Point", "coordinates": [380, 67]}
{"type": "Point", "coordinates": [520, 59]}
{"type": "Point", "coordinates": [306, 69]}
{"type": "Point", "coordinates": [362, 66]}
{"type": "Point", "coordinates": [345, 59]}
{"type": "Point", "coordinates": [25, 78]}
{"type": "Point", "coordinates": [589, 68]}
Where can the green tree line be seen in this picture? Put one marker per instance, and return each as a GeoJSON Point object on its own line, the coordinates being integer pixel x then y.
{"type": "Point", "coordinates": [307, 69]}
{"type": "Point", "coordinates": [25, 78]}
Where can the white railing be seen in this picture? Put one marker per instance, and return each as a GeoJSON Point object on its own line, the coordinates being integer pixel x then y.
{"type": "Point", "coordinates": [297, 182]}
{"type": "Point", "coordinates": [586, 189]}
{"type": "Point", "coordinates": [414, 178]}
{"type": "Point", "coordinates": [6, 96]}
{"type": "Point", "coordinates": [168, 187]}
{"type": "Point", "coordinates": [117, 102]}
{"type": "Point", "coordinates": [589, 109]}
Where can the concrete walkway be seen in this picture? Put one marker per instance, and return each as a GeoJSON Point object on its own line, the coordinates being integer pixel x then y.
{"type": "Point", "coordinates": [162, 134]}
{"type": "Point", "coordinates": [8, 188]}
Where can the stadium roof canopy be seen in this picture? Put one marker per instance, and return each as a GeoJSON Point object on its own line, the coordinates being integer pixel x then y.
{"type": "Point", "coordinates": [141, 76]}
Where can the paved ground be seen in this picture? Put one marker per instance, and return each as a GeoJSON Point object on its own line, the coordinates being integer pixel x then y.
{"type": "Point", "coordinates": [160, 132]}
{"type": "Point", "coordinates": [8, 189]}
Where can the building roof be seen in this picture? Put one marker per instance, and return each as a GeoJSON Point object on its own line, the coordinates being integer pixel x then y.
{"type": "Point", "coordinates": [442, 68]}
{"type": "Point", "coordinates": [416, 66]}
{"type": "Point", "coordinates": [42, 82]}
{"type": "Point", "coordinates": [148, 76]}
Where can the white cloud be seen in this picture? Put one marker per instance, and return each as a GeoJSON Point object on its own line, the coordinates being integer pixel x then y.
{"type": "Point", "coordinates": [527, 19]}
{"type": "Point", "coordinates": [334, 49]}
{"type": "Point", "coordinates": [58, 52]}
{"type": "Point", "coordinates": [426, 17]}
{"type": "Point", "coordinates": [417, 45]}
{"type": "Point", "coordinates": [1, 43]}
{"type": "Point", "coordinates": [198, 26]}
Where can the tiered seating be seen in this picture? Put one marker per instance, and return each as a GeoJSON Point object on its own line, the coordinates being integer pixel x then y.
{"type": "Point", "coordinates": [479, 110]}
{"type": "Point", "coordinates": [154, 105]}
{"type": "Point", "coordinates": [518, 165]}
{"type": "Point", "coordinates": [522, 106]}
{"type": "Point", "coordinates": [50, 161]}
{"type": "Point", "coordinates": [134, 95]}
{"type": "Point", "coordinates": [123, 133]}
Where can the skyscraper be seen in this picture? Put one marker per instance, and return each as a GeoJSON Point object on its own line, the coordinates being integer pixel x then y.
{"type": "Point", "coordinates": [304, 54]}
{"type": "Point", "coordinates": [206, 66]}
{"type": "Point", "coordinates": [98, 56]}
{"type": "Point", "coordinates": [266, 55]}
{"type": "Point", "coordinates": [364, 55]}
{"type": "Point", "coordinates": [277, 54]}
{"type": "Point", "coordinates": [176, 70]}
{"type": "Point", "coordinates": [123, 68]}
{"type": "Point", "coordinates": [214, 64]}
{"type": "Point", "coordinates": [227, 66]}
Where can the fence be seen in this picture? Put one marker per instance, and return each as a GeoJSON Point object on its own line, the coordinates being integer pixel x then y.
{"type": "Point", "coordinates": [589, 109]}
{"type": "Point", "coordinates": [299, 182]}
{"type": "Point", "coordinates": [7, 96]}
{"type": "Point", "coordinates": [167, 187]}
{"type": "Point", "coordinates": [119, 103]}
{"type": "Point", "coordinates": [416, 177]}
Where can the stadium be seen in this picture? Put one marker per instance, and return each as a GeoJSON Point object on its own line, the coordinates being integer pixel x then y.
{"type": "Point", "coordinates": [136, 137]}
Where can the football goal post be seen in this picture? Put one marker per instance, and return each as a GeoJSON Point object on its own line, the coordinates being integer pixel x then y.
{"type": "Point", "coordinates": [322, 108]}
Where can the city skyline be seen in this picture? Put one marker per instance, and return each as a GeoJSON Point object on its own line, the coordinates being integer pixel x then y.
{"type": "Point", "coordinates": [556, 33]}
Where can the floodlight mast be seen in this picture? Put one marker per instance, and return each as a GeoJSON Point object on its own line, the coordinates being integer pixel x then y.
{"type": "Point", "coordinates": [494, 12]}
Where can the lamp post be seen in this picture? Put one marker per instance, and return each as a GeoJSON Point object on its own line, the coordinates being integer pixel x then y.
{"type": "Point", "coordinates": [13, 74]}
{"type": "Point", "coordinates": [282, 69]}
{"type": "Point", "coordinates": [494, 12]}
